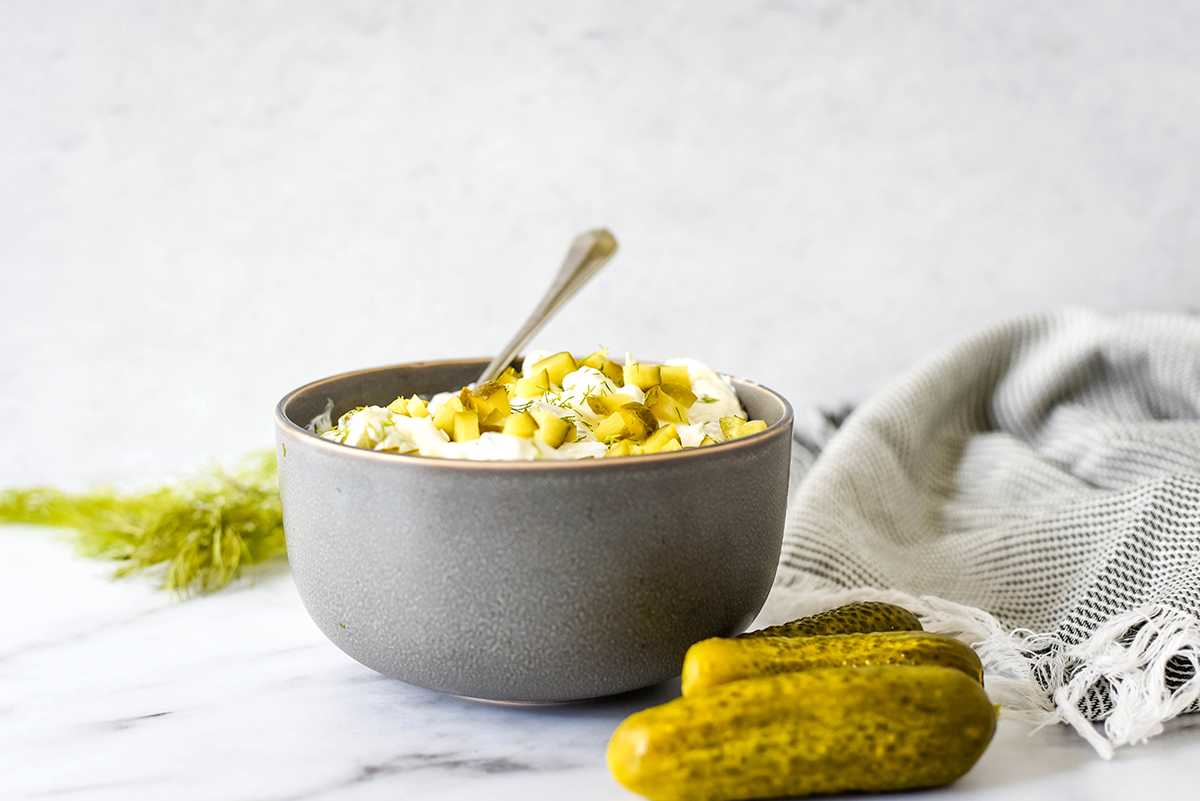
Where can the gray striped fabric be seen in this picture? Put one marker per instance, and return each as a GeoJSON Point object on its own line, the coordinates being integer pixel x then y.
{"type": "Point", "coordinates": [1047, 472]}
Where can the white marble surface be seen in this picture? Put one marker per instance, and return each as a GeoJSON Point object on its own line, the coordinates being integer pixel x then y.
{"type": "Point", "coordinates": [111, 690]}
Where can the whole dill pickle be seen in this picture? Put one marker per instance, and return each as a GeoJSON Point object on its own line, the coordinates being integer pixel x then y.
{"type": "Point", "coordinates": [849, 619]}
{"type": "Point", "coordinates": [830, 730]}
{"type": "Point", "coordinates": [719, 660]}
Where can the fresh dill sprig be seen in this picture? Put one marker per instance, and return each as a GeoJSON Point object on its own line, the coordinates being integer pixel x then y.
{"type": "Point", "coordinates": [199, 533]}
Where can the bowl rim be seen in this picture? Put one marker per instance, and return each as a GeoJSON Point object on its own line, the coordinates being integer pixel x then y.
{"type": "Point", "coordinates": [287, 425]}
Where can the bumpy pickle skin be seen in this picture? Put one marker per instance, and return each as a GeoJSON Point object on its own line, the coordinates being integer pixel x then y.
{"type": "Point", "coordinates": [720, 660]}
{"type": "Point", "coordinates": [830, 730]}
{"type": "Point", "coordinates": [863, 616]}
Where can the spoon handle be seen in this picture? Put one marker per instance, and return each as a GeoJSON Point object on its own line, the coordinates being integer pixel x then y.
{"type": "Point", "coordinates": [587, 255]}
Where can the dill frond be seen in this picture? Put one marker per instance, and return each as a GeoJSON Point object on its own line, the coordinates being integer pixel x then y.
{"type": "Point", "coordinates": [198, 533]}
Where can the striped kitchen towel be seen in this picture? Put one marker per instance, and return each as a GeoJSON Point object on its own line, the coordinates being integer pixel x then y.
{"type": "Point", "coordinates": [1034, 489]}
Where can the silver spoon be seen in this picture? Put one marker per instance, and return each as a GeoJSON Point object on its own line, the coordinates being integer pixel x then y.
{"type": "Point", "coordinates": [587, 255]}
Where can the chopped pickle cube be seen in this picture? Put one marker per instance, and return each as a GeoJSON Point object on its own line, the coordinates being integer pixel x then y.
{"type": "Point", "coordinates": [417, 407]}
{"type": "Point", "coordinates": [680, 392]}
{"type": "Point", "coordinates": [659, 439]}
{"type": "Point", "coordinates": [552, 429]}
{"type": "Point", "coordinates": [398, 406]}
{"type": "Point", "coordinates": [466, 426]}
{"type": "Point", "coordinates": [557, 366]}
{"type": "Point", "coordinates": [608, 404]}
{"type": "Point", "coordinates": [665, 407]}
{"type": "Point", "coordinates": [734, 427]}
{"type": "Point", "coordinates": [611, 370]}
{"type": "Point", "coordinates": [639, 420]}
{"type": "Point", "coordinates": [730, 426]}
{"type": "Point", "coordinates": [534, 386]}
{"type": "Point", "coordinates": [520, 424]}
{"type": "Point", "coordinates": [624, 447]}
{"type": "Point", "coordinates": [509, 376]}
{"type": "Point", "coordinates": [491, 428]}
{"type": "Point", "coordinates": [642, 376]}
{"type": "Point", "coordinates": [675, 374]}
{"type": "Point", "coordinates": [611, 427]}
{"type": "Point", "coordinates": [443, 418]}
{"type": "Point", "coordinates": [673, 445]}
{"type": "Point", "coordinates": [490, 401]}
{"type": "Point", "coordinates": [707, 441]}
{"type": "Point", "coordinates": [753, 427]}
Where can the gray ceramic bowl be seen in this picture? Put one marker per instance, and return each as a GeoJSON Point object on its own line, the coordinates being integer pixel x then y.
{"type": "Point", "coordinates": [526, 581]}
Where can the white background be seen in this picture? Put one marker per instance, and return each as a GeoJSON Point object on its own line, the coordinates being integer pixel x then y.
{"type": "Point", "coordinates": [204, 205]}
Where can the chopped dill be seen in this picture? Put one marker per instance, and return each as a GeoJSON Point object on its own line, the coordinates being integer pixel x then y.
{"type": "Point", "coordinates": [199, 533]}
{"type": "Point", "coordinates": [707, 399]}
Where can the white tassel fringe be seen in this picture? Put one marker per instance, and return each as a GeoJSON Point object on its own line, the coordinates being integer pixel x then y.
{"type": "Point", "coordinates": [1135, 670]}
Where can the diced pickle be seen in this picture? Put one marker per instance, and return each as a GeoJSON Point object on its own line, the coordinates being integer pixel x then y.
{"type": "Point", "coordinates": [673, 445]}
{"type": "Point", "coordinates": [624, 447]}
{"type": "Point", "coordinates": [608, 404]}
{"type": "Point", "coordinates": [490, 401]}
{"type": "Point", "coordinates": [611, 370]}
{"type": "Point", "coordinates": [552, 429]}
{"type": "Point", "coordinates": [466, 426]}
{"type": "Point", "coordinates": [417, 407]}
{"type": "Point", "coordinates": [443, 418]}
{"type": "Point", "coordinates": [520, 424]}
{"type": "Point", "coordinates": [611, 427]}
{"type": "Point", "coordinates": [639, 420]}
{"type": "Point", "coordinates": [707, 441]}
{"type": "Point", "coordinates": [399, 406]}
{"type": "Point", "coordinates": [509, 376]}
{"type": "Point", "coordinates": [680, 392]}
{"type": "Point", "coordinates": [730, 426]}
{"type": "Point", "coordinates": [557, 366]}
{"type": "Point", "coordinates": [675, 374]}
{"type": "Point", "coordinates": [666, 407]}
{"type": "Point", "coordinates": [660, 438]}
{"type": "Point", "coordinates": [642, 376]}
{"type": "Point", "coordinates": [534, 386]}
{"type": "Point", "coordinates": [734, 427]}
